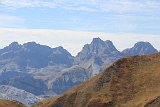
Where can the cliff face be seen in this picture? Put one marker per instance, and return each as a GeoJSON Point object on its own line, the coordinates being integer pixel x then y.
{"type": "Point", "coordinates": [130, 82]}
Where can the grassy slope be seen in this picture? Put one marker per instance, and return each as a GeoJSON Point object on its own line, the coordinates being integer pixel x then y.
{"type": "Point", "coordinates": [130, 82]}
{"type": "Point", "coordinates": [7, 103]}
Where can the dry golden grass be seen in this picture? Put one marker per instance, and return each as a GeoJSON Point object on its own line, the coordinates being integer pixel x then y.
{"type": "Point", "coordinates": [130, 82]}
{"type": "Point", "coordinates": [7, 103]}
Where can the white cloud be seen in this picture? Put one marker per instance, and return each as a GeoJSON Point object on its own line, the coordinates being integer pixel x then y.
{"type": "Point", "coordinates": [27, 3]}
{"type": "Point", "coordinates": [127, 6]}
{"type": "Point", "coordinates": [112, 15]}
{"type": "Point", "coordinates": [73, 41]}
{"type": "Point", "coordinates": [9, 21]}
{"type": "Point", "coordinates": [117, 6]}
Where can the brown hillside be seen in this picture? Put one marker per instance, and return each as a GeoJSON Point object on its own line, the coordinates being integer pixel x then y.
{"type": "Point", "coordinates": [7, 103]}
{"type": "Point", "coordinates": [130, 82]}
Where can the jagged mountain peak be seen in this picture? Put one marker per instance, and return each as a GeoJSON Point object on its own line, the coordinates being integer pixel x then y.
{"type": "Point", "coordinates": [142, 43]}
{"type": "Point", "coordinates": [96, 55]}
{"type": "Point", "coordinates": [30, 44]}
{"type": "Point", "coordinates": [14, 46]}
{"type": "Point", "coordinates": [32, 54]}
{"type": "Point", "coordinates": [34, 45]}
{"type": "Point", "coordinates": [109, 41]}
{"type": "Point", "coordinates": [60, 49]}
{"type": "Point", "coordinates": [110, 45]}
{"type": "Point", "coordinates": [140, 48]}
{"type": "Point", "coordinates": [97, 41]}
{"type": "Point", "coordinates": [97, 47]}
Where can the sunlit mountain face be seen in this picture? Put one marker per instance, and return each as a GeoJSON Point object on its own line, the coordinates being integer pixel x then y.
{"type": "Point", "coordinates": [82, 53]}
{"type": "Point", "coordinates": [44, 71]}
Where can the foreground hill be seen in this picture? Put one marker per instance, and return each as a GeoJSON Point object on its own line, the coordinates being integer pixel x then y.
{"type": "Point", "coordinates": [130, 82]}
{"type": "Point", "coordinates": [7, 103]}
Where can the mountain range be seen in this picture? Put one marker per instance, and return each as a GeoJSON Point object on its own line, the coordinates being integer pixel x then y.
{"type": "Point", "coordinates": [44, 71]}
{"type": "Point", "coordinates": [129, 82]}
{"type": "Point", "coordinates": [93, 58]}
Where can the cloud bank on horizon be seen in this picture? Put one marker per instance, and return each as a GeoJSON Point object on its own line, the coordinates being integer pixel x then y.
{"type": "Point", "coordinates": [73, 41]}
{"type": "Point", "coordinates": [73, 23]}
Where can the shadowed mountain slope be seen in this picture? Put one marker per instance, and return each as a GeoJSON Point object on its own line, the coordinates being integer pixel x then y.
{"type": "Point", "coordinates": [130, 82]}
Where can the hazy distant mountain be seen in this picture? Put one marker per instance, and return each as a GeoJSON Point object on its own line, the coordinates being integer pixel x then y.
{"type": "Point", "coordinates": [97, 55]}
{"type": "Point", "coordinates": [27, 66]}
{"type": "Point", "coordinates": [34, 55]}
{"type": "Point", "coordinates": [23, 81]}
{"type": "Point", "coordinates": [92, 59]}
{"type": "Point", "coordinates": [140, 48]}
{"type": "Point", "coordinates": [12, 93]}
{"type": "Point", "coordinates": [69, 78]}
{"type": "Point", "coordinates": [97, 48]}
{"type": "Point", "coordinates": [46, 71]}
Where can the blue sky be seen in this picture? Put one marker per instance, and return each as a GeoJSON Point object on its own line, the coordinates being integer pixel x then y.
{"type": "Point", "coordinates": [135, 16]}
{"type": "Point", "coordinates": [136, 20]}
